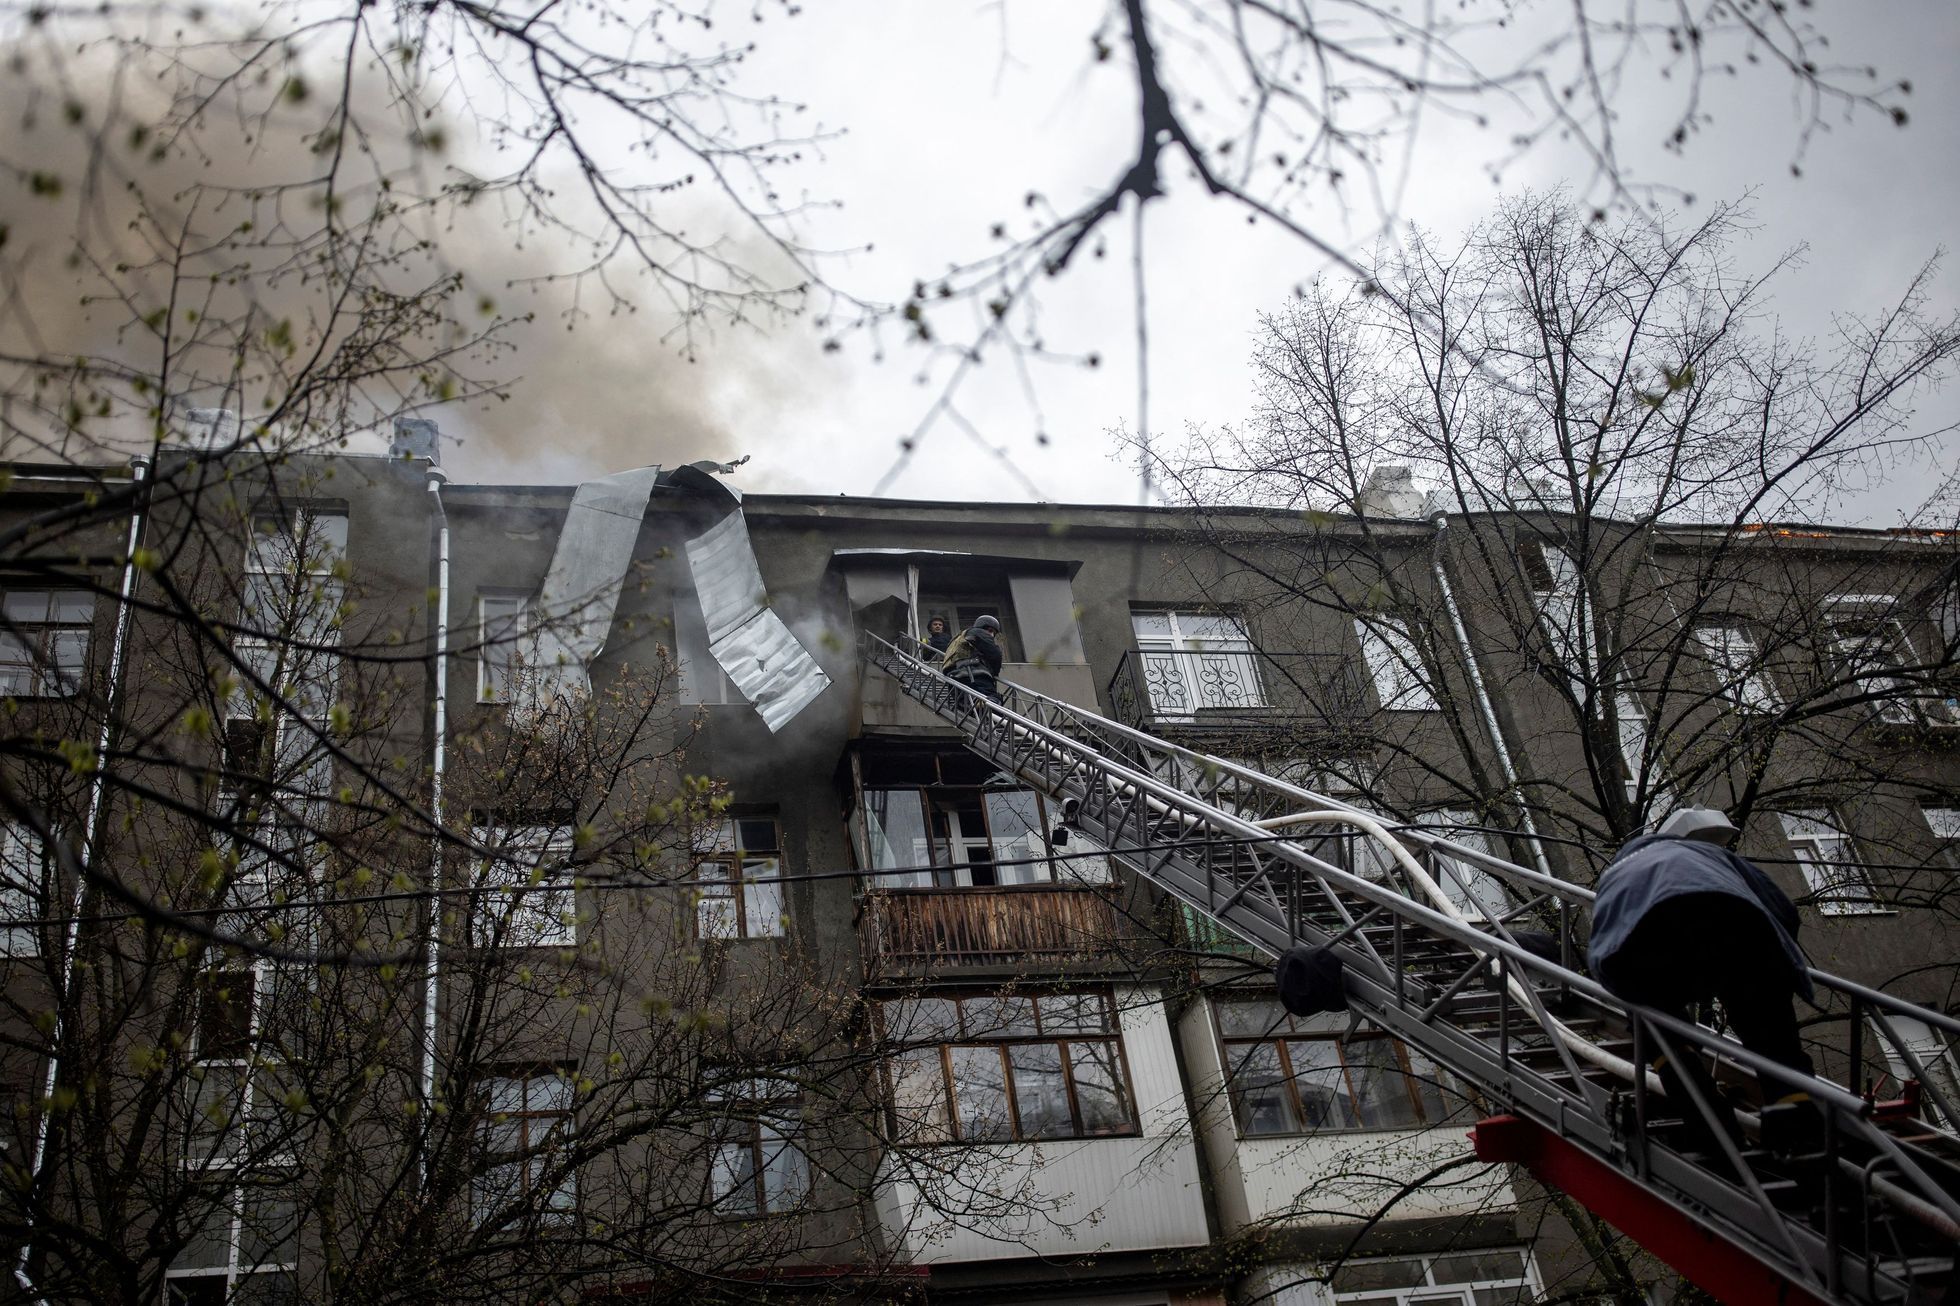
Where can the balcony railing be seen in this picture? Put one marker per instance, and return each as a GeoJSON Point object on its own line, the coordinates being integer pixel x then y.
{"type": "Point", "coordinates": [1310, 693]}
{"type": "Point", "coordinates": [987, 926]}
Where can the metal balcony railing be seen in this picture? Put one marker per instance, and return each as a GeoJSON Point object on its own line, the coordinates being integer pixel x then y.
{"type": "Point", "coordinates": [1312, 693]}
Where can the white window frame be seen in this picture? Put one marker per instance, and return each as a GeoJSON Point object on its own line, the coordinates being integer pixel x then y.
{"type": "Point", "coordinates": [757, 1163]}
{"type": "Point", "coordinates": [1483, 885]}
{"type": "Point", "coordinates": [1192, 654]}
{"type": "Point", "coordinates": [232, 1205]}
{"type": "Point", "coordinates": [1869, 658]}
{"type": "Point", "coordinates": [1831, 866]}
{"type": "Point", "coordinates": [1388, 645]}
{"type": "Point", "coordinates": [1430, 1291]}
{"type": "Point", "coordinates": [23, 889]}
{"type": "Point", "coordinates": [558, 1102]}
{"type": "Point", "coordinates": [739, 893]}
{"type": "Point", "coordinates": [497, 661]}
{"type": "Point", "coordinates": [524, 897]}
{"type": "Point", "coordinates": [1944, 824]}
{"type": "Point", "coordinates": [1738, 663]}
{"type": "Point", "coordinates": [44, 641]}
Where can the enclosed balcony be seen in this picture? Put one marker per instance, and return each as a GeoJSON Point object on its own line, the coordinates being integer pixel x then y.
{"type": "Point", "coordinates": [1002, 925]}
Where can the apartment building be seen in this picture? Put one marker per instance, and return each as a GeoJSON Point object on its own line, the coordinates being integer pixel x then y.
{"type": "Point", "coordinates": [498, 893]}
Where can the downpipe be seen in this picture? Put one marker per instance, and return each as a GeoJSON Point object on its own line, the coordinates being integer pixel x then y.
{"type": "Point", "coordinates": [139, 470]}
{"type": "Point", "coordinates": [439, 756]}
{"type": "Point", "coordinates": [1484, 705]}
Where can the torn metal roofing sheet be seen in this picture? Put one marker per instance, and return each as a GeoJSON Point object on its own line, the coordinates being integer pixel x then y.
{"type": "Point", "coordinates": [575, 606]}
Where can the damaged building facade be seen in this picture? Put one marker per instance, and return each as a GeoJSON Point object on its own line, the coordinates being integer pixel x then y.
{"type": "Point", "coordinates": [525, 893]}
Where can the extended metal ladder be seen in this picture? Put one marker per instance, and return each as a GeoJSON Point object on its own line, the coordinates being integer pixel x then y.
{"type": "Point", "coordinates": [1870, 1215]}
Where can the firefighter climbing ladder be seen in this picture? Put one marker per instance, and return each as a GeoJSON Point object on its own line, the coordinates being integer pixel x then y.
{"type": "Point", "coordinates": [1869, 1213]}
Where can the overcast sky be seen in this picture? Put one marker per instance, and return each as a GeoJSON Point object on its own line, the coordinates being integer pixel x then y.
{"type": "Point", "coordinates": [952, 112]}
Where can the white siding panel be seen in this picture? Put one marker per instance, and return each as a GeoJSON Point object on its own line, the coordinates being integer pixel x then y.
{"type": "Point", "coordinates": [1060, 1198]}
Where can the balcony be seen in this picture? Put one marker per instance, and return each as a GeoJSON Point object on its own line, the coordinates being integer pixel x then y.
{"type": "Point", "coordinates": [986, 926]}
{"type": "Point", "coordinates": [887, 707]}
{"type": "Point", "coordinates": [1307, 696]}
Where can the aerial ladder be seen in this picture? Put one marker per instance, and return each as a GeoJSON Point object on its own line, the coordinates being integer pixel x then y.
{"type": "Point", "coordinates": [1868, 1213]}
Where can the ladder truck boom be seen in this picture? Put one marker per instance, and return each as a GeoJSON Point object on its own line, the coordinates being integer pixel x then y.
{"type": "Point", "coordinates": [1871, 1216]}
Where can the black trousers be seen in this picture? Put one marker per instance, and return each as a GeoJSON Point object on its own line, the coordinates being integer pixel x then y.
{"type": "Point", "coordinates": [1712, 945]}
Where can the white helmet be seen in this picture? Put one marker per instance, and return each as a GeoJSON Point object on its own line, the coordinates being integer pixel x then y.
{"type": "Point", "coordinates": [1703, 823]}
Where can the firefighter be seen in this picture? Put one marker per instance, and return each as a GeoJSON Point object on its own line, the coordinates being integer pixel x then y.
{"type": "Point", "coordinates": [974, 657]}
{"type": "Point", "coordinates": [1681, 918]}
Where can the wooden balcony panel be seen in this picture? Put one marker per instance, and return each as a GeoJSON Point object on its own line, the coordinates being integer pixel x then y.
{"type": "Point", "coordinates": [988, 926]}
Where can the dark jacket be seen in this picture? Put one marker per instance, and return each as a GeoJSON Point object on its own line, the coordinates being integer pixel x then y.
{"type": "Point", "coordinates": [934, 645]}
{"type": "Point", "coordinates": [1651, 869]}
{"type": "Point", "coordinates": [974, 658]}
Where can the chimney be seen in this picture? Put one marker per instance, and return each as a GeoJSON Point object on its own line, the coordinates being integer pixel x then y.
{"type": "Point", "coordinates": [416, 437]}
{"type": "Point", "coordinates": [1390, 491]}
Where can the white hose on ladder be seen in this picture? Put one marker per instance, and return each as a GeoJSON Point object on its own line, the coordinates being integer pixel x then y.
{"type": "Point", "coordinates": [1586, 1050]}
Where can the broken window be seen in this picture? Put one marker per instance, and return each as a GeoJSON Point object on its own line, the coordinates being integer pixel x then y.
{"type": "Point", "coordinates": [738, 891]}
{"type": "Point", "coordinates": [957, 836]}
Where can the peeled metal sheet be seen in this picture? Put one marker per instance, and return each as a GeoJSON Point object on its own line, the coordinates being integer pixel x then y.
{"type": "Point", "coordinates": [575, 606]}
{"type": "Point", "coordinates": [753, 645]}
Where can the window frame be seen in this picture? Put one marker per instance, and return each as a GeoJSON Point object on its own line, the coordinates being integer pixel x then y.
{"type": "Point", "coordinates": [963, 1036]}
{"type": "Point", "coordinates": [1732, 653]}
{"type": "Point", "coordinates": [1182, 649]}
{"type": "Point", "coordinates": [751, 1109]}
{"type": "Point", "coordinates": [39, 664]}
{"type": "Point", "coordinates": [519, 886]}
{"type": "Point", "coordinates": [534, 1148]}
{"type": "Point", "coordinates": [24, 865]}
{"type": "Point", "coordinates": [1395, 665]}
{"type": "Point", "coordinates": [1525, 1287]}
{"type": "Point", "coordinates": [1807, 830]}
{"type": "Point", "coordinates": [496, 653]}
{"type": "Point", "coordinates": [946, 868]}
{"type": "Point", "coordinates": [1871, 658]}
{"type": "Point", "coordinates": [233, 1205]}
{"type": "Point", "coordinates": [1943, 823]}
{"type": "Point", "coordinates": [1284, 1029]}
{"type": "Point", "coordinates": [733, 855]}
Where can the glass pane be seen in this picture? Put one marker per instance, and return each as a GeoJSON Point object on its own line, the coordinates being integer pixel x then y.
{"type": "Point", "coordinates": [268, 1232]}
{"type": "Point", "coordinates": [919, 1095]}
{"type": "Point", "coordinates": [72, 607]}
{"type": "Point", "coordinates": [1252, 1019]}
{"type": "Point", "coordinates": [895, 825]}
{"type": "Point", "coordinates": [785, 1170]}
{"type": "Point", "coordinates": [1477, 1267]}
{"type": "Point", "coordinates": [715, 914]}
{"type": "Point", "coordinates": [324, 541]}
{"type": "Point", "coordinates": [922, 1020]}
{"type": "Point", "coordinates": [1381, 1090]}
{"type": "Point", "coordinates": [1321, 1084]}
{"type": "Point", "coordinates": [1074, 1013]}
{"type": "Point", "coordinates": [209, 1246]}
{"type": "Point", "coordinates": [1259, 1088]}
{"type": "Point", "coordinates": [980, 1093]}
{"type": "Point", "coordinates": [26, 607]}
{"type": "Point", "coordinates": [999, 1017]}
{"type": "Point", "coordinates": [1151, 626]}
{"type": "Point", "coordinates": [762, 899]}
{"type": "Point", "coordinates": [1366, 1276]}
{"type": "Point", "coordinates": [732, 1177]}
{"type": "Point", "coordinates": [504, 1096]}
{"type": "Point", "coordinates": [1100, 1093]}
{"type": "Point", "coordinates": [756, 836]}
{"type": "Point", "coordinates": [1040, 1091]}
{"type": "Point", "coordinates": [1014, 822]}
{"type": "Point", "coordinates": [1429, 1082]}
{"type": "Point", "coordinates": [1211, 630]}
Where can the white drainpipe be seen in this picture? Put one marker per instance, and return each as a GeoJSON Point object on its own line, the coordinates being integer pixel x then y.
{"type": "Point", "coordinates": [139, 470]}
{"type": "Point", "coordinates": [439, 759]}
{"type": "Point", "coordinates": [1483, 695]}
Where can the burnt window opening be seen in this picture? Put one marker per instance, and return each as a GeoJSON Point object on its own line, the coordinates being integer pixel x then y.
{"type": "Point", "coordinates": [963, 595]}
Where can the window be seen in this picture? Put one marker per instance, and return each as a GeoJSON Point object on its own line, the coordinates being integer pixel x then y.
{"type": "Point", "coordinates": [960, 836]}
{"type": "Point", "coordinates": [1558, 593]}
{"type": "Point", "coordinates": [1838, 880]}
{"type": "Point", "coordinates": [1388, 644]}
{"type": "Point", "coordinates": [739, 890]}
{"type": "Point", "coordinates": [758, 1166]}
{"type": "Point", "coordinates": [501, 620]}
{"type": "Point", "coordinates": [1631, 719]}
{"type": "Point", "coordinates": [244, 1247]}
{"type": "Point", "coordinates": [523, 1129]}
{"type": "Point", "coordinates": [1474, 889]}
{"type": "Point", "coordinates": [289, 623]}
{"type": "Point", "coordinates": [1937, 1052]}
{"type": "Point", "coordinates": [1870, 648]}
{"type": "Point", "coordinates": [963, 595]}
{"type": "Point", "coordinates": [1944, 822]}
{"type": "Point", "coordinates": [996, 1068]}
{"type": "Point", "coordinates": [524, 895]}
{"type": "Point", "coordinates": [1194, 661]}
{"type": "Point", "coordinates": [1738, 664]}
{"type": "Point", "coordinates": [23, 882]}
{"type": "Point", "coordinates": [1497, 1277]}
{"type": "Point", "coordinates": [44, 642]}
{"type": "Point", "coordinates": [1292, 1075]}
{"type": "Point", "coordinates": [702, 677]}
